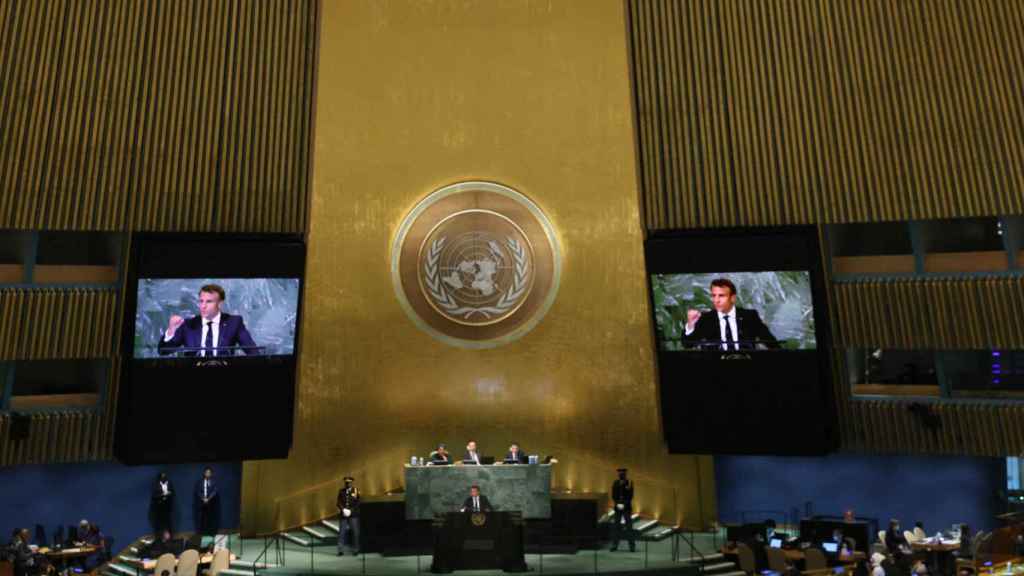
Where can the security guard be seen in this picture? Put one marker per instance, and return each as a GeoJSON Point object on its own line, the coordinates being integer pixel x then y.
{"type": "Point", "coordinates": [348, 521]}
{"type": "Point", "coordinates": [622, 495]}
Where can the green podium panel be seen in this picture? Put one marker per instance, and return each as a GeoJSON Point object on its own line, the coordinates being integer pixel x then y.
{"type": "Point", "coordinates": [434, 490]}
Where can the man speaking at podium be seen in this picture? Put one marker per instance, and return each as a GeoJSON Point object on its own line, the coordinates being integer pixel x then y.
{"type": "Point", "coordinates": [726, 327]}
{"type": "Point", "coordinates": [210, 333]}
{"type": "Point", "coordinates": [476, 502]}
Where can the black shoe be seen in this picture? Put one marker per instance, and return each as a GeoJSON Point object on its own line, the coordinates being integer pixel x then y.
{"type": "Point", "coordinates": [615, 549]}
{"type": "Point", "coordinates": [341, 553]}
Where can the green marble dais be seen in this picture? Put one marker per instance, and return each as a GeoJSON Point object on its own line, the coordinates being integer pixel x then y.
{"type": "Point", "coordinates": [431, 490]}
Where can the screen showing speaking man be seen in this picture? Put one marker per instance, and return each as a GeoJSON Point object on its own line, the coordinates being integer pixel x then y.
{"type": "Point", "coordinates": [214, 318]}
{"type": "Point", "coordinates": [736, 311]}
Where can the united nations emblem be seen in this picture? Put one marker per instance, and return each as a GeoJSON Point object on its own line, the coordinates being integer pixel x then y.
{"type": "Point", "coordinates": [476, 264]}
{"type": "Point", "coordinates": [478, 518]}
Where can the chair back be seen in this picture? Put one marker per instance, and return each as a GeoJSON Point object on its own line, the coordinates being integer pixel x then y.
{"type": "Point", "coordinates": [746, 558]}
{"type": "Point", "coordinates": [909, 536]}
{"type": "Point", "coordinates": [814, 559]}
{"type": "Point", "coordinates": [919, 533]}
{"type": "Point", "coordinates": [221, 561]}
{"type": "Point", "coordinates": [188, 562]}
{"type": "Point", "coordinates": [164, 562]}
{"type": "Point", "coordinates": [776, 559]}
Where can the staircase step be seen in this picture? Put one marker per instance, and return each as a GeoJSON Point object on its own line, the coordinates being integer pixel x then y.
{"type": "Point", "coordinates": [645, 525]}
{"type": "Point", "coordinates": [607, 517]}
{"type": "Point", "coordinates": [317, 533]}
{"type": "Point", "coordinates": [733, 573]}
{"type": "Point", "coordinates": [235, 572]}
{"type": "Point", "coordinates": [332, 524]}
{"type": "Point", "coordinates": [717, 567]}
{"type": "Point", "coordinates": [660, 533]}
{"type": "Point", "coordinates": [250, 564]}
{"type": "Point", "coordinates": [292, 537]}
{"type": "Point", "coordinates": [122, 569]}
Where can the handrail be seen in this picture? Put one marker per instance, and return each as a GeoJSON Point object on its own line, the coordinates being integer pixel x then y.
{"type": "Point", "coordinates": [268, 540]}
{"type": "Point", "coordinates": [693, 548]}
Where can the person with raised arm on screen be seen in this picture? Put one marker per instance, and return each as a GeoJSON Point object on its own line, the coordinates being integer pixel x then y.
{"type": "Point", "coordinates": [211, 333]}
{"type": "Point", "coordinates": [727, 327]}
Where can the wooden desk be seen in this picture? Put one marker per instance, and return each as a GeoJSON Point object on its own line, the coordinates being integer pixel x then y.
{"type": "Point", "coordinates": [69, 553]}
{"type": "Point", "coordinates": [935, 546]}
{"type": "Point", "coordinates": [999, 569]}
{"type": "Point", "coordinates": [796, 555]}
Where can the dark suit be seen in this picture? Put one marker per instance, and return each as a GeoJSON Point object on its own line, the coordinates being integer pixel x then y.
{"type": "Point", "coordinates": [707, 332]}
{"type": "Point", "coordinates": [207, 509]}
{"type": "Point", "coordinates": [517, 458]}
{"type": "Point", "coordinates": [348, 497]}
{"type": "Point", "coordinates": [469, 457]}
{"type": "Point", "coordinates": [231, 332]}
{"type": "Point", "coordinates": [622, 494]}
{"type": "Point", "coordinates": [22, 558]}
{"type": "Point", "coordinates": [162, 507]}
{"type": "Point", "coordinates": [485, 504]}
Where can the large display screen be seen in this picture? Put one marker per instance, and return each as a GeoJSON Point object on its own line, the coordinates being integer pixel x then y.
{"type": "Point", "coordinates": [741, 330]}
{"type": "Point", "coordinates": [212, 335]}
{"type": "Point", "coordinates": [734, 310]}
{"type": "Point", "coordinates": [215, 317]}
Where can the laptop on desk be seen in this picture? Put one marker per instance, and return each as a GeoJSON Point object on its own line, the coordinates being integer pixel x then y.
{"type": "Point", "coordinates": [775, 543]}
{"type": "Point", "coordinates": [830, 547]}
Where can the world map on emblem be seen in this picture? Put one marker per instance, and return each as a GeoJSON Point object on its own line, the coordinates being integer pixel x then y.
{"type": "Point", "coordinates": [476, 264]}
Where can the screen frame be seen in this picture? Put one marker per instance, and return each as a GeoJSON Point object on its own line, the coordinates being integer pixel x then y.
{"type": "Point", "coordinates": [798, 248]}
{"type": "Point", "coordinates": [172, 256]}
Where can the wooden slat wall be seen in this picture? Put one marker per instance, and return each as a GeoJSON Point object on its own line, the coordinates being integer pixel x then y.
{"type": "Point", "coordinates": [142, 115]}
{"type": "Point", "coordinates": [783, 112]}
{"type": "Point", "coordinates": [931, 313]}
{"type": "Point", "coordinates": [57, 437]}
{"type": "Point", "coordinates": [58, 324]}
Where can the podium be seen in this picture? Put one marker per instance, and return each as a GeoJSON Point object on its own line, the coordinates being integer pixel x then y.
{"type": "Point", "coordinates": [478, 541]}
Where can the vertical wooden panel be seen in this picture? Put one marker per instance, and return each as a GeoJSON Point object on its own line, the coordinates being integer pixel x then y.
{"type": "Point", "coordinates": [152, 116]}
{"type": "Point", "coordinates": [826, 112]}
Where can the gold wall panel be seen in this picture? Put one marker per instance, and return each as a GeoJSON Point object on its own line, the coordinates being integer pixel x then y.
{"type": "Point", "coordinates": [416, 95]}
{"type": "Point", "coordinates": [971, 313]}
{"type": "Point", "coordinates": [783, 112]}
{"type": "Point", "coordinates": [140, 115]}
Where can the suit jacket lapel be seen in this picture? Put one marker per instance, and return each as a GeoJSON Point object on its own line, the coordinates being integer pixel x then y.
{"type": "Point", "coordinates": [220, 330]}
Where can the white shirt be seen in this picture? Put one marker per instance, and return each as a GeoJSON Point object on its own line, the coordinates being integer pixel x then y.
{"type": "Point", "coordinates": [878, 571]}
{"type": "Point", "coordinates": [474, 456]}
{"type": "Point", "coordinates": [206, 486]}
{"type": "Point", "coordinates": [202, 340]}
{"type": "Point", "coordinates": [476, 504]}
{"type": "Point", "coordinates": [721, 327]}
{"type": "Point", "coordinates": [164, 488]}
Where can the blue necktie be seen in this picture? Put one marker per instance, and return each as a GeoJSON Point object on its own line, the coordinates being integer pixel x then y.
{"type": "Point", "coordinates": [208, 343]}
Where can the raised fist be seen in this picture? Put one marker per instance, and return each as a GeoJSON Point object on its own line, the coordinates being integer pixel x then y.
{"type": "Point", "coordinates": [174, 323]}
{"type": "Point", "coordinates": [691, 318]}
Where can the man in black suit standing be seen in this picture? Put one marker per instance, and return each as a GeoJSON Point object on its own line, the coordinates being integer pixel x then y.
{"type": "Point", "coordinates": [476, 502]}
{"type": "Point", "coordinates": [162, 503]}
{"type": "Point", "coordinates": [622, 496]}
{"type": "Point", "coordinates": [515, 455]}
{"type": "Point", "coordinates": [727, 327]}
{"type": "Point", "coordinates": [207, 498]}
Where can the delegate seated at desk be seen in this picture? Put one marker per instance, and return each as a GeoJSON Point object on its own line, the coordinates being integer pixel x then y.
{"type": "Point", "coordinates": [440, 457]}
{"type": "Point", "coordinates": [472, 456]}
{"type": "Point", "coordinates": [476, 502]}
{"type": "Point", "coordinates": [515, 455]}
